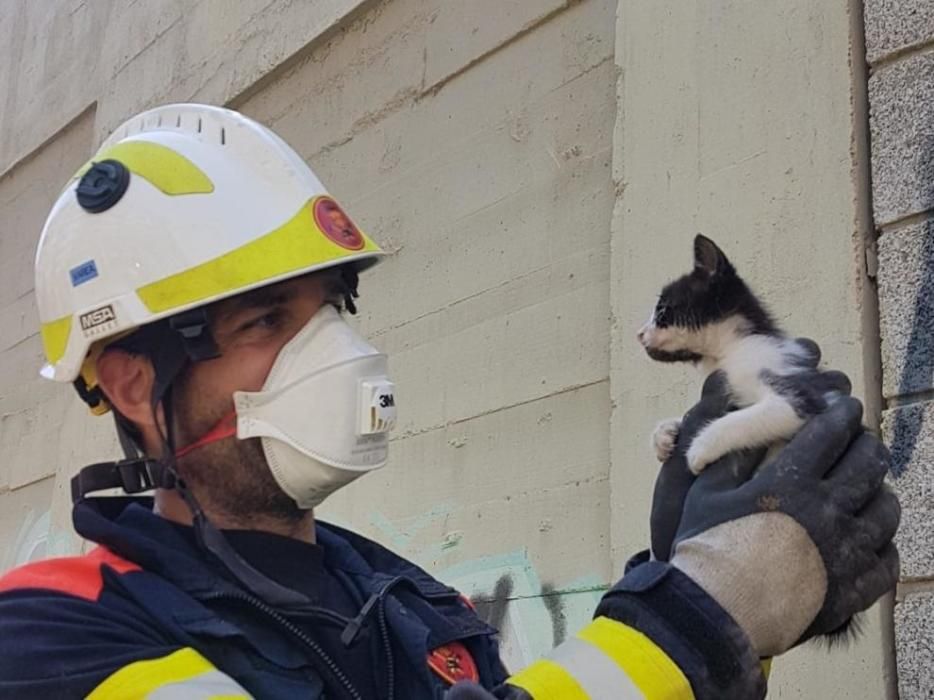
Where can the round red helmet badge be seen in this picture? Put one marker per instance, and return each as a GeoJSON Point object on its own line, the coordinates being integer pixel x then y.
{"type": "Point", "coordinates": [336, 225]}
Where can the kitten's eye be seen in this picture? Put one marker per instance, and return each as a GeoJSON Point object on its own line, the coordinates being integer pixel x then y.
{"type": "Point", "coordinates": [661, 315]}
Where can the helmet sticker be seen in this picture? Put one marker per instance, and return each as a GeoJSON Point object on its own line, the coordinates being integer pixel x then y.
{"type": "Point", "coordinates": [98, 321]}
{"type": "Point", "coordinates": [336, 225]}
{"type": "Point", "coordinates": [85, 272]}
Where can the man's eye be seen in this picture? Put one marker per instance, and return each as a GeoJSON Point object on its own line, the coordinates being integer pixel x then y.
{"type": "Point", "coordinates": [269, 320]}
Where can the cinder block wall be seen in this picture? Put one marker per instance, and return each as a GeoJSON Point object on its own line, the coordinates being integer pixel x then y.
{"type": "Point", "coordinates": [900, 51]}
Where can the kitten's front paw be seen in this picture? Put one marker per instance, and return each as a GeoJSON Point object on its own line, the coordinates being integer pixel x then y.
{"type": "Point", "coordinates": [700, 455]}
{"type": "Point", "coordinates": [665, 437]}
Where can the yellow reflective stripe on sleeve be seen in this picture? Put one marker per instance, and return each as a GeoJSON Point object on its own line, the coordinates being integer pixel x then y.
{"type": "Point", "coordinates": [607, 660]}
{"type": "Point", "coordinates": [595, 672]}
{"type": "Point", "coordinates": [212, 685]}
{"type": "Point", "coordinates": [653, 673]}
{"type": "Point", "coordinates": [296, 245]}
{"type": "Point", "coordinates": [183, 675]}
{"type": "Point", "coordinates": [55, 338]}
{"type": "Point", "coordinates": [766, 665]}
{"type": "Point", "coordinates": [546, 680]}
{"type": "Point", "coordinates": [165, 169]}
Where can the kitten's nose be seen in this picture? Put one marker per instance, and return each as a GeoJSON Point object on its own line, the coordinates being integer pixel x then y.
{"type": "Point", "coordinates": [640, 334]}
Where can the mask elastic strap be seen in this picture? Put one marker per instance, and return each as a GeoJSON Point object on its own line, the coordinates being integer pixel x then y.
{"type": "Point", "coordinates": [209, 538]}
{"type": "Point", "coordinates": [224, 428]}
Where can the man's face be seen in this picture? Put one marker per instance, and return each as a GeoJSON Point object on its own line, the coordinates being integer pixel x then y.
{"type": "Point", "coordinates": [231, 475]}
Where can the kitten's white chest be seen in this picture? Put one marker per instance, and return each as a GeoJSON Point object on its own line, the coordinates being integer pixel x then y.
{"type": "Point", "coordinates": [744, 361]}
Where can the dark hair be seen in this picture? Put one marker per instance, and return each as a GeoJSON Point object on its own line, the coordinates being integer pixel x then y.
{"type": "Point", "coordinates": [340, 288]}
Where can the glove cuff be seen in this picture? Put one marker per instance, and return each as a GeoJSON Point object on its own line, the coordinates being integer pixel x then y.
{"type": "Point", "coordinates": [638, 559]}
{"type": "Point", "coordinates": [690, 627]}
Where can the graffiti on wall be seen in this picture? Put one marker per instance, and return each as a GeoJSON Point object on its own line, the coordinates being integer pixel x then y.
{"type": "Point", "coordinates": [919, 359]}
{"type": "Point", "coordinates": [532, 615]}
{"type": "Point", "coordinates": [36, 539]}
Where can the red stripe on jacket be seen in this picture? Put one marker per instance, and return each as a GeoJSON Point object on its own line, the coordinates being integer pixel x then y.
{"type": "Point", "coordinates": [78, 576]}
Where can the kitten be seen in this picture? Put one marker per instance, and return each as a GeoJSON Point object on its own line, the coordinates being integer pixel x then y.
{"type": "Point", "coordinates": [709, 317]}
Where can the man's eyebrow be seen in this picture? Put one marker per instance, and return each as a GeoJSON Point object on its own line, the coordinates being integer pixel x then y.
{"type": "Point", "coordinates": [257, 299]}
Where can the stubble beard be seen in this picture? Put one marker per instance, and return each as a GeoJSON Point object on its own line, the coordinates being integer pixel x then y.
{"type": "Point", "coordinates": [231, 476]}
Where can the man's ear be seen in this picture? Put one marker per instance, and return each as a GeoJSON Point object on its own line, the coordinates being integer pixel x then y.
{"type": "Point", "coordinates": [127, 380]}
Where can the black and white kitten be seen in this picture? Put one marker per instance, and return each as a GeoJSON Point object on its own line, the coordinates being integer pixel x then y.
{"type": "Point", "coordinates": [711, 318]}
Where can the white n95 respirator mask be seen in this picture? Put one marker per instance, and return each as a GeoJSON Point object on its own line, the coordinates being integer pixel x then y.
{"type": "Point", "coordinates": [325, 412]}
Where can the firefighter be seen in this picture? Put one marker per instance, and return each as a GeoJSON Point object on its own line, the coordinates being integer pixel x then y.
{"type": "Point", "coordinates": [192, 281]}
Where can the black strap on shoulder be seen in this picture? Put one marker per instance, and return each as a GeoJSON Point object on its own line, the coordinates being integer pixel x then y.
{"type": "Point", "coordinates": [132, 475]}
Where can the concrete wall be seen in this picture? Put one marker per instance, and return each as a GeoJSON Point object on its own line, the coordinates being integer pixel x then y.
{"type": "Point", "coordinates": [744, 121]}
{"type": "Point", "coordinates": [482, 158]}
{"type": "Point", "coordinates": [36, 435]}
{"type": "Point", "coordinates": [537, 169]}
{"type": "Point", "coordinates": [900, 50]}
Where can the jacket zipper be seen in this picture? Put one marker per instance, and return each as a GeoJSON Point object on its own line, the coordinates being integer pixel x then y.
{"type": "Point", "coordinates": [387, 646]}
{"type": "Point", "coordinates": [299, 634]}
{"type": "Point", "coordinates": [350, 632]}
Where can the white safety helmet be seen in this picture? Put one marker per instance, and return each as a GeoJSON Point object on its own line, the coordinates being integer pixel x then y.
{"type": "Point", "coordinates": [182, 206]}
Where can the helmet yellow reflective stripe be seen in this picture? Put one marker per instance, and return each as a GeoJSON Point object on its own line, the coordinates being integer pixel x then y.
{"type": "Point", "coordinates": [164, 168]}
{"type": "Point", "coordinates": [297, 245]}
{"type": "Point", "coordinates": [55, 338]}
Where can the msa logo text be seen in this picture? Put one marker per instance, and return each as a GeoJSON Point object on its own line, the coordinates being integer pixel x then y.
{"type": "Point", "coordinates": [93, 319]}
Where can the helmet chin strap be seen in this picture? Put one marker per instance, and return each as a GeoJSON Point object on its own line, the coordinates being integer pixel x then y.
{"type": "Point", "coordinates": [191, 342]}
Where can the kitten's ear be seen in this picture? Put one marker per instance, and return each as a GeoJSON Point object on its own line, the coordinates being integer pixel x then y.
{"type": "Point", "coordinates": [708, 257]}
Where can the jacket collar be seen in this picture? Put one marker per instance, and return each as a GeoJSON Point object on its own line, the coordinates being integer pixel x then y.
{"type": "Point", "coordinates": [129, 527]}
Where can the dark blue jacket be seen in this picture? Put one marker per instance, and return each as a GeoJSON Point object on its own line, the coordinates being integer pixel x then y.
{"type": "Point", "coordinates": [147, 606]}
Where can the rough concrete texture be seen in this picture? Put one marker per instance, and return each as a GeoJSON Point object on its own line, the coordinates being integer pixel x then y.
{"type": "Point", "coordinates": [744, 133]}
{"type": "Point", "coordinates": [900, 37]}
{"type": "Point", "coordinates": [896, 25]}
{"type": "Point", "coordinates": [490, 181]}
{"type": "Point", "coordinates": [902, 123]}
{"type": "Point", "coordinates": [909, 432]}
{"type": "Point", "coordinates": [44, 428]}
{"type": "Point", "coordinates": [24, 525]}
{"type": "Point", "coordinates": [124, 56]}
{"type": "Point", "coordinates": [906, 291]}
{"type": "Point", "coordinates": [27, 406]}
{"type": "Point", "coordinates": [914, 644]}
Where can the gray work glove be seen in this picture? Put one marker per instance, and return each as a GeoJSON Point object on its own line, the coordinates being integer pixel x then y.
{"type": "Point", "coordinates": [795, 549]}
